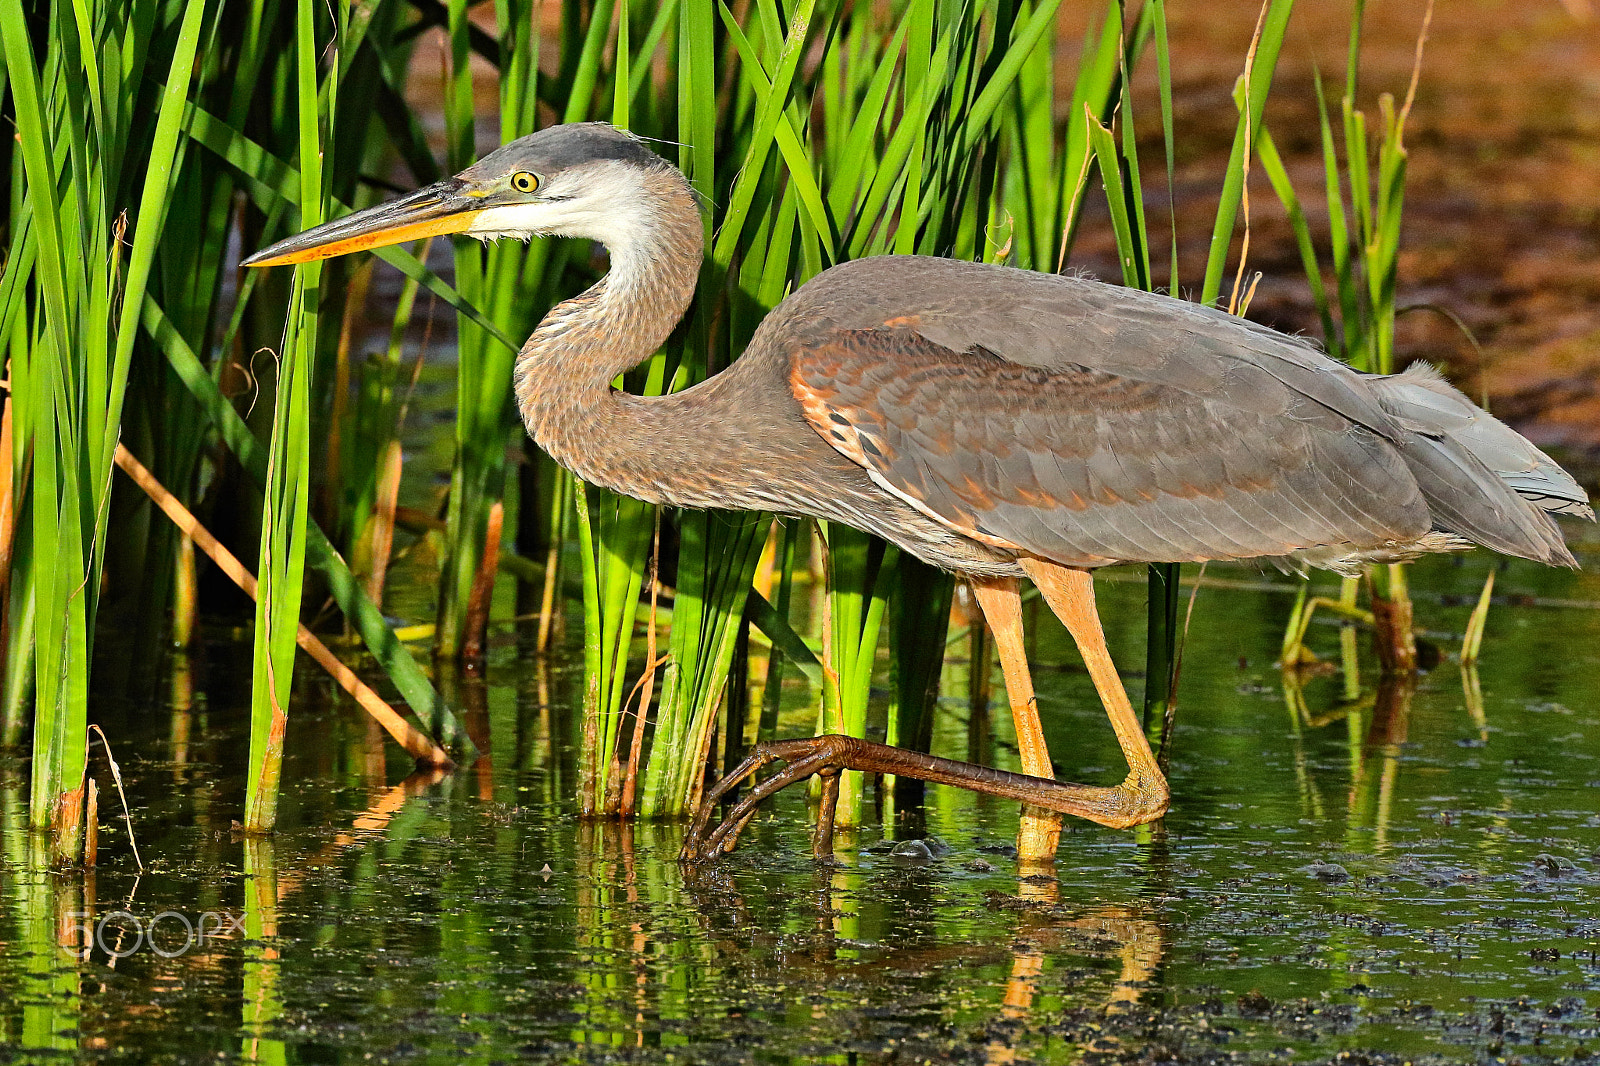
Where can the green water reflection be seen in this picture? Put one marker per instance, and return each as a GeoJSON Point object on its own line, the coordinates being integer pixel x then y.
{"type": "Point", "coordinates": [1406, 871]}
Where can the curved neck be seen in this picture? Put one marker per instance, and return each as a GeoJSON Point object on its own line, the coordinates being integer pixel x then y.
{"type": "Point", "coordinates": [565, 370]}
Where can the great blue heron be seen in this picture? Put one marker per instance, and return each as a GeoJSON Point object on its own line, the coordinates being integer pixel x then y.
{"type": "Point", "coordinates": [998, 423]}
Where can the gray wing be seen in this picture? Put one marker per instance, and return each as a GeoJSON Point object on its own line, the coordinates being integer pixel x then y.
{"type": "Point", "coordinates": [1050, 321]}
{"type": "Point", "coordinates": [1087, 466]}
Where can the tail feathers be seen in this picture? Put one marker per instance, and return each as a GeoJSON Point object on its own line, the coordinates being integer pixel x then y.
{"type": "Point", "coordinates": [1481, 479]}
{"type": "Point", "coordinates": [1467, 499]}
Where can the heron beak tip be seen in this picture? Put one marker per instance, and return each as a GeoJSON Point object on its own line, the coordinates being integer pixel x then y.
{"type": "Point", "coordinates": [378, 227]}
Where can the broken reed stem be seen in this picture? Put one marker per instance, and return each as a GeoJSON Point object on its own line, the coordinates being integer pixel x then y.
{"type": "Point", "coordinates": [1416, 65]}
{"type": "Point", "coordinates": [416, 743]}
{"type": "Point", "coordinates": [185, 593]}
{"type": "Point", "coordinates": [91, 828]}
{"type": "Point", "coordinates": [476, 620]}
{"type": "Point", "coordinates": [561, 503]}
{"type": "Point", "coordinates": [383, 513]}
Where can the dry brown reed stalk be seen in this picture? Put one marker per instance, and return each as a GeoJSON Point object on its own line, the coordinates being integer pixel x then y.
{"type": "Point", "coordinates": [122, 793]}
{"type": "Point", "coordinates": [416, 743]}
{"type": "Point", "coordinates": [91, 834]}
{"type": "Point", "coordinates": [552, 564]}
{"type": "Point", "coordinates": [1234, 306]}
{"type": "Point", "coordinates": [382, 521]}
{"type": "Point", "coordinates": [386, 495]}
{"type": "Point", "coordinates": [476, 621]}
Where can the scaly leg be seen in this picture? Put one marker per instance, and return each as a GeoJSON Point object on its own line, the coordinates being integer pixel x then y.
{"type": "Point", "coordinates": [1143, 794]}
{"type": "Point", "coordinates": [1001, 601]}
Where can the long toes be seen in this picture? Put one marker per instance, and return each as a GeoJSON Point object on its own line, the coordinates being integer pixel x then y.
{"type": "Point", "coordinates": [693, 850]}
{"type": "Point", "coordinates": [803, 757]}
{"type": "Point", "coordinates": [722, 839]}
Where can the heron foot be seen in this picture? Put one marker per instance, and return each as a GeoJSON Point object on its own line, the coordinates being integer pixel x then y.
{"type": "Point", "coordinates": [825, 756]}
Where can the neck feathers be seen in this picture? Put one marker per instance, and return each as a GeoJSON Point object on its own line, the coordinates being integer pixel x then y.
{"type": "Point", "coordinates": [564, 372]}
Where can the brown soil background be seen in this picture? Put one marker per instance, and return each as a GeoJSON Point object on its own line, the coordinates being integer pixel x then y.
{"type": "Point", "coordinates": [1502, 212]}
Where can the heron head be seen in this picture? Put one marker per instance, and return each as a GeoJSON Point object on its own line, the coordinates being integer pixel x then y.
{"type": "Point", "coordinates": [586, 179]}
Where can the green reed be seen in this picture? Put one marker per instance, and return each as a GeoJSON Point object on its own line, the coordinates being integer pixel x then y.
{"type": "Point", "coordinates": [97, 308]}
{"type": "Point", "coordinates": [507, 282]}
{"type": "Point", "coordinates": [71, 338]}
{"type": "Point", "coordinates": [718, 552]}
{"type": "Point", "coordinates": [281, 566]}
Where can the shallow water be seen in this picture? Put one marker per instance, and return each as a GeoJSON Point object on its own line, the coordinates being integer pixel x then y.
{"type": "Point", "coordinates": [1404, 875]}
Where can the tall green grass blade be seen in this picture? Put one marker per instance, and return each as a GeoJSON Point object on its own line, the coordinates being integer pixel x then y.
{"type": "Point", "coordinates": [153, 201]}
{"type": "Point", "coordinates": [769, 118]}
{"type": "Point", "coordinates": [860, 570]}
{"type": "Point", "coordinates": [1094, 93]}
{"type": "Point", "coordinates": [771, 620]}
{"type": "Point", "coordinates": [286, 507]}
{"type": "Point", "coordinates": [70, 368]}
{"type": "Point", "coordinates": [1158, 10]}
{"type": "Point", "coordinates": [1340, 240]}
{"type": "Point", "coordinates": [1260, 67]}
{"type": "Point", "coordinates": [59, 739]}
{"type": "Point", "coordinates": [475, 480]}
{"type": "Point", "coordinates": [1278, 175]}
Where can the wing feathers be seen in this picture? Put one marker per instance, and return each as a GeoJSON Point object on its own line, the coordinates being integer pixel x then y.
{"type": "Point", "coordinates": [1115, 424]}
{"type": "Point", "coordinates": [1085, 467]}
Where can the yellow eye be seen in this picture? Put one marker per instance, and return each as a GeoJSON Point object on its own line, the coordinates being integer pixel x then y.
{"type": "Point", "coordinates": [522, 181]}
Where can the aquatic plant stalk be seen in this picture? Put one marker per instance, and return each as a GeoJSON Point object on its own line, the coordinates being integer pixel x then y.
{"type": "Point", "coordinates": [70, 362]}
{"type": "Point", "coordinates": [286, 505]}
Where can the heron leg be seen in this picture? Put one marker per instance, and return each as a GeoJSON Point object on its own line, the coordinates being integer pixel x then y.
{"type": "Point", "coordinates": [1001, 601]}
{"type": "Point", "coordinates": [812, 755]}
{"type": "Point", "coordinates": [1143, 795]}
{"type": "Point", "coordinates": [1118, 807]}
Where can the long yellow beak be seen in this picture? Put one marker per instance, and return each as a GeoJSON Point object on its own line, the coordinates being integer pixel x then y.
{"type": "Point", "coordinates": [439, 208]}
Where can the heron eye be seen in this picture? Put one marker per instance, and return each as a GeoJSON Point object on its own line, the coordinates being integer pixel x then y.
{"type": "Point", "coordinates": [522, 181]}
